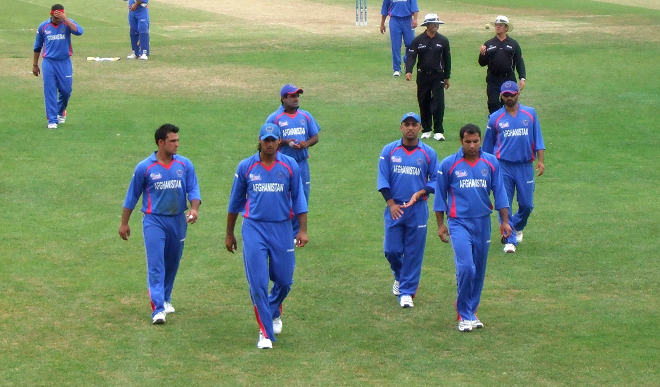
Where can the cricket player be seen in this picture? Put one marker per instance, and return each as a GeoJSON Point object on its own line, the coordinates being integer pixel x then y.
{"type": "Point", "coordinates": [514, 136]}
{"type": "Point", "coordinates": [138, 22]}
{"type": "Point", "coordinates": [406, 176]}
{"type": "Point", "coordinates": [268, 191]}
{"type": "Point", "coordinates": [299, 132]}
{"type": "Point", "coordinates": [465, 181]}
{"type": "Point", "coordinates": [54, 37]}
{"type": "Point", "coordinates": [403, 21]}
{"type": "Point", "coordinates": [164, 180]}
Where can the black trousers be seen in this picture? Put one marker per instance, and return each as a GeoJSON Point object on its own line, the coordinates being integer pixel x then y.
{"type": "Point", "coordinates": [431, 99]}
{"type": "Point", "coordinates": [493, 85]}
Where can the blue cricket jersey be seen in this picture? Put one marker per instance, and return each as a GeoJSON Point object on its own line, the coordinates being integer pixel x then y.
{"type": "Point", "coordinates": [300, 126]}
{"type": "Point", "coordinates": [55, 40]}
{"type": "Point", "coordinates": [513, 139]}
{"type": "Point", "coordinates": [399, 8]}
{"type": "Point", "coordinates": [164, 188]}
{"type": "Point", "coordinates": [268, 194]}
{"type": "Point", "coordinates": [406, 172]}
{"type": "Point", "coordinates": [463, 189]}
{"type": "Point", "coordinates": [145, 4]}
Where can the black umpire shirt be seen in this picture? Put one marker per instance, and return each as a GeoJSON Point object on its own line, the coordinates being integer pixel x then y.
{"type": "Point", "coordinates": [503, 57]}
{"type": "Point", "coordinates": [434, 54]}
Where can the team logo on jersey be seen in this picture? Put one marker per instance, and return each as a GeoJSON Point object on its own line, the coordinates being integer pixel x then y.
{"type": "Point", "coordinates": [283, 123]}
{"type": "Point", "coordinates": [303, 122]}
{"type": "Point", "coordinates": [156, 176]}
{"type": "Point", "coordinates": [281, 175]}
{"type": "Point", "coordinates": [484, 172]}
{"type": "Point", "coordinates": [420, 161]}
{"type": "Point", "coordinates": [461, 173]}
{"type": "Point", "coordinates": [396, 159]}
{"type": "Point", "coordinates": [254, 177]}
{"type": "Point", "coordinates": [525, 122]}
{"type": "Point", "coordinates": [179, 172]}
{"type": "Point", "coordinates": [504, 125]}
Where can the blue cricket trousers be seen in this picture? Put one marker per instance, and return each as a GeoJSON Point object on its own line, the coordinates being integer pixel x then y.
{"type": "Point", "coordinates": [164, 237]}
{"type": "Point", "coordinates": [404, 244]}
{"type": "Point", "coordinates": [58, 83]}
{"type": "Point", "coordinates": [470, 238]}
{"type": "Point", "coordinates": [518, 178]}
{"type": "Point", "coordinates": [400, 28]}
{"type": "Point", "coordinates": [138, 22]}
{"type": "Point", "coordinates": [303, 167]}
{"type": "Point", "coordinates": [268, 254]}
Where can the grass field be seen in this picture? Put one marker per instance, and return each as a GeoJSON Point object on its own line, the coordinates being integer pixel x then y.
{"type": "Point", "coordinates": [576, 305]}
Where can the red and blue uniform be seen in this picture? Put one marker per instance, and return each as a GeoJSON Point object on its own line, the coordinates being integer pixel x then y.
{"type": "Point", "coordinates": [514, 140]}
{"type": "Point", "coordinates": [463, 193]}
{"type": "Point", "coordinates": [405, 171]}
{"type": "Point", "coordinates": [138, 22]}
{"type": "Point", "coordinates": [54, 43]}
{"type": "Point", "coordinates": [400, 13]}
{"type": "Point", "coordinates": [268, 198]}
{"type": "Point", "coordinates": [165, 190]}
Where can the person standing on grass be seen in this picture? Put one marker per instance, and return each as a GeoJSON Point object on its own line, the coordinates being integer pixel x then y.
{"type": "Point", "coordinates": [433, 55]}
{"type": "Point", "coordinates": [299, 132]}
{"type": "Point", "coordinates": [138, 22]}
{"type": "Point", "coordinates": [164, 180]}
{"type": "Point", "coordinates": [54, 37]}
{"type": "Point", "coordinates": [503, 56]}
{"type": "Point", "coordinates": [514, 136]}
{"type": "Point", "coordinates": [403, 21]}
{"type": "Point", "coordinates": [406, 176]}
{"type": "Point", "coordinates": [267, 189]}
{"type": "Point", "coordinates": [465, 181]}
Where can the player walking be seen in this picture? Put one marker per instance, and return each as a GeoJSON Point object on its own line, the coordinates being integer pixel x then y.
{"type": "Point", "coordinates": [406, 176]}
{"type": "Point", "coordinates": [465, 180]}
{"type": "Point", "coordinates": [268, 191]}
{"type": "Point", "coordinates": [54, 36]}
{"type": "Point", "coordinates": [164, 180]}
{"type": "Point", "coordinates": [514, 136]}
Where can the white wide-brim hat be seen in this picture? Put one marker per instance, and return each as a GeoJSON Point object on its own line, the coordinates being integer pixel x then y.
{"type": "Point", "coordinates": [503, 20]}
{"type": "Point", "coordinates": [432, 18]}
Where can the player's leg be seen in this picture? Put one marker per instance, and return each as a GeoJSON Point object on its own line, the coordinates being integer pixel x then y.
{"type": "Point", "coordinates": [154, 243]}
{"type": "Point", "coordinates": [393, 243]}
{"type": "Point", "coordinates": [481, 243]}
{"type": "Point", "coordinates": [413, 247]}
{"type": "Point", "coordinates": [134, 34]}
{"type": "Point", "coordinates": [282, 264]}
{"type": "Point", "coordinates": [438, 103]}
{"type": "Point", "coordinates": [424, 89]}
{"type": "Point", "coordinates": [525, 186]}
{"type": "Point", "coordinates": [303, 168]}
{"type": "Point", "coordinates": [462, 242]}
{"type": "Point", "coordinates": [143, 30]}
{"type": "Point", "coordinates": [396, 35]}
{"type": "Point", "coordinates": [176, 237]}
{"type": "Point", "coordinates": [64, 77]}
{"type": "Point", "coordinates": [48, 72]}
{"type": "Point", "coordinates": [408, 35]}
{"type": "Point", "coordinates": [255, 258]}
{"type": "Point", "coordinates": [508, 179]}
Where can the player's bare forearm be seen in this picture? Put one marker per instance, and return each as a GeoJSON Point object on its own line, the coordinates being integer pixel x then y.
{"type": "Point", "coordinates": [312, 141]}
{"type": "Point", "coordinates": [540, 164]}
{"type": "Point", "coordinates": [230, 238]}
{"type": "Point", "coordinates": [414, 198]}
{"type": "Point", "coordinates": [505, 227]}
{"type": "Point", "coordinates": [302, 238]}
{"type": "Point", "coordinates": [35, 63]}
{"type": "Point", "coordinates": [124, 228]}
{"type": "Point", "coordinates": [443, 232]}
{"type": "Point", "coordinates": [194, 211]}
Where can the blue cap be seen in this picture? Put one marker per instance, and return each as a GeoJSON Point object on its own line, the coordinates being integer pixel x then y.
{"type": "Point", "coordinates": [269, 130]}
{"type": "Point", "coordinates": [290, 88]}
{"type": "Point", "coordinates": [412, 115]}
{"type": "Point", "coordinates": [509, 87]}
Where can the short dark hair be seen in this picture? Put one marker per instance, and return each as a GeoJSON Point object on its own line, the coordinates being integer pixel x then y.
{"type": "Point", "coordinates": [57, 7]}
{"type": "Point", "coordinates": [470, 129]}
{"type": "Point", "coordinates": [161, 133]}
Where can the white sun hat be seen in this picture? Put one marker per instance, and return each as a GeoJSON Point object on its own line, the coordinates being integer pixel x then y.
{"type": "Point", "coordinates": [503, 20]}
{"type": "Point", "coordinates": [432, 18]}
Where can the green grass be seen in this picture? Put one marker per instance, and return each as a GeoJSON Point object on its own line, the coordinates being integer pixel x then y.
{"type": "Point", "coordinates": [576, 305]}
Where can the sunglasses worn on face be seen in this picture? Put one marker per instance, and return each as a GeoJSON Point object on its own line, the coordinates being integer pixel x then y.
{"type": "Point", "coordinates": [509, 95]}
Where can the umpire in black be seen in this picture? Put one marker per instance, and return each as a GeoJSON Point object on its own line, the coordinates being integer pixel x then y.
{"type": "Point", "coordinates": [431, 51]}
{"type": "Point", "coordinates": [503, 57]}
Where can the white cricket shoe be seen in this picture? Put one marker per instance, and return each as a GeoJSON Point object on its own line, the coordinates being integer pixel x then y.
{"type": "Point", "coordinates": [477, 324]}
{"type": "Point", "coordinates": [277, 325]}
{"type": "Point", "coordinates": [169, 308]}
{"type": "Point", "coordinates": [396, 74]}
{"type": "Point", "coordinates": [519, 236]}
{"type": "Point", "coordinates": [264, 343]}
{"type": "Point", "coordinates": [52, 126]}
{"type": "Point", "coordinates": [143, 57]}
{"type": "Point", "coordinates": [395, 288]}
{"type": "Point", "coordinates": [465, 326]}
{"type": "Point", "coordinates": [61, 119]}
{"type": "Point", "coordinates": [159, 318]}
{"type": "Point", "coordinates": [406, 302]}
{"type": "Point", "coordinates": [509, 248]}
{"type": "Point", "coordinates": [439, 137]}
{"type": "Point", "coordinates": [132, 56]}
{"type": "Point", "coordinates": [426, 134]}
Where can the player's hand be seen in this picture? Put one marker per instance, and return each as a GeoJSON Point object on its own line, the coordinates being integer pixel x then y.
{"type": "Point", "coordinates": [230, 243]}
{"type": "Point", "coordinates": [124, 231]}
{"type": "Point", "coordinates": [446, 84]}
{"type": "Point", "coordinates": [408, 76]}
{"type": "Point", "coordinates": [482, 50]}
{"type": "Point", "coordinates": [413, 199]}
{"type": "Point", "coordinates": [383, 28]}
{"type": "Point", "coordinates": [521, 84]}
{"type": "Point", "coordinates": [192, 217]}
{"type": "Point", "coordinates": [443, 233]}
{"type": "Point", "coordinates": [413, 24]}
{"type": "Point", "coordinates": [540, 167]}
{"type": "Point", "coordinates": [505, 230]}
{"type": "Point", "coordinates": [133, 7]}
{"type": "Point", "coordinates": [59, 15]}
{"type": "Point", "coordinates": [35, 70]}
{"type": "Point", "coordinates": [301, 239]}
{"type": "Point", "coordinates": [395, 211]}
